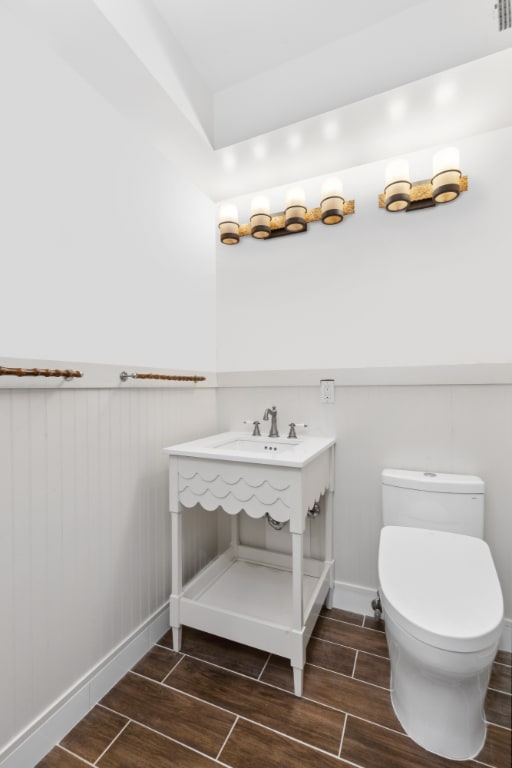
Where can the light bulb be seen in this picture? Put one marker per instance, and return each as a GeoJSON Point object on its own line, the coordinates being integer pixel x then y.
{"type": "Point", "coordinates": [397, 170]}
{"type": "Point", "coordinates": [332, 187]}
{"type": "Point", "coordinates": [228, 212]}
{"type": "Point", "coordinates": [446, 160]}
{"type": "Point", "coordinates": [260, 204]}
{"type": "Point", "coordinates": [295, 196]}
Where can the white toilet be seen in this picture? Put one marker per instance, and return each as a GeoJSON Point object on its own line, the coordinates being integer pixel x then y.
{"type": "Point", "coordinates": [442, 605]}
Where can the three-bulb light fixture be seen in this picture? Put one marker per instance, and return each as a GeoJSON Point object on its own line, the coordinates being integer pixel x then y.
{"type": "Point", "coordinates": [400, 194]}
{"type": "Point", "coordinates": [264, 225]}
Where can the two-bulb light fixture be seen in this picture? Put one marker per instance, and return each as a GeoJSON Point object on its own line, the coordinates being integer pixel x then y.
{"type": "Point", "coordinates": [295, 218]}
{"type": "Point", "coordinates": [400, 194]}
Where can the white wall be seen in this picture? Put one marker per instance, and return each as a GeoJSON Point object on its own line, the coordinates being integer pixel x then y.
{"type": "Point", "coordinates": [102, 260]}
{"type": "Point", "coordinates": [106, 250]}
{"type": "Point", "coordinates": [380, 289]}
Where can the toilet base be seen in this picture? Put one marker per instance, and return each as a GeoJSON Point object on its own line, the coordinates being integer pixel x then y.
{"type": "Point", "coordinates": [438, 696]}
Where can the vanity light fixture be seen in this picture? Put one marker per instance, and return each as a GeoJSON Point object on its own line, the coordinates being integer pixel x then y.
{"type": "Point", "coordinates": [332, 201]}
{"type": "Point", "coordinates": [397, 191]}
{"type": "Point", "coordinates": [228, 224]}
{"type": "Point", "coordinates": [445, 185]}
{"type": "Point", "coordinates": [260, 217]}
{"type": "Point", "coordinates": [295, 211]}
{"type": "Point", "coordinates": [264, 225]}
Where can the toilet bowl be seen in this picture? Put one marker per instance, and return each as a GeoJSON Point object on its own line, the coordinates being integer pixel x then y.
{"type": "Point", "coordinates": [443, 612]}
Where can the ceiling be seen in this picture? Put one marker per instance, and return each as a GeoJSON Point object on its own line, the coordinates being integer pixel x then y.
{"type": "Point", "coordinates": [243, 98]}
{"type": "Point", "coordinates": [228, 41]}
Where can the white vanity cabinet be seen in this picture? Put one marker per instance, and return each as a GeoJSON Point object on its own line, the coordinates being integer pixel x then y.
{"type": "Point", "coordinates": [254, 596]}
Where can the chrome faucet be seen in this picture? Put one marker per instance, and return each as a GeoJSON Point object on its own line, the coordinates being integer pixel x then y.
{"type": "Point", "coordinates": [273, 424]}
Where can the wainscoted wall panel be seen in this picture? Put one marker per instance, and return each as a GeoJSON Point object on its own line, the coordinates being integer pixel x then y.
{"type": "Point", "coordinates": [452, 428]}
{"type": "Point", "coordinates": [84, 530]}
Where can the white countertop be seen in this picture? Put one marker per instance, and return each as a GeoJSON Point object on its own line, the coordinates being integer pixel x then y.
{"type": "Point", "coordinates": [243, 447]}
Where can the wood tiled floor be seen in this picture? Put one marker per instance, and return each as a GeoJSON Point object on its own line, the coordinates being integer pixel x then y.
{"type": "Point", "coordinates": [220, 703]}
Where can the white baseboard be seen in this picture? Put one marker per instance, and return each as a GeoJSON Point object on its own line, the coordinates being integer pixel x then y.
{"type": "Point", "coordinates": [506, 637]}
{"type": "Point", "coordinates": [47, 730]}
{"type": "Point", "coordinates": [349, 597]}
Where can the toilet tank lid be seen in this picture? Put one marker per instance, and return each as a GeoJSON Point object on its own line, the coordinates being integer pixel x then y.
{"type": "Point", "coordinates": [433, 481]}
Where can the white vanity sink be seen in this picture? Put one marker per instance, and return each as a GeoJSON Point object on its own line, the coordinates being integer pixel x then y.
{"type": "Point", "coordinates": [252, 595]}
{"type": "Point", "coordinates": [240, 446]}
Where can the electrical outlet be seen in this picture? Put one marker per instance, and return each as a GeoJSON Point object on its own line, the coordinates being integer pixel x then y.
{"type": "Point", "coordinates": [327, 390]}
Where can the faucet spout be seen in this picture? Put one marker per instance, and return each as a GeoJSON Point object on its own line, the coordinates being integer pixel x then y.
{"type": "Point", "coordinates": [272, 412]}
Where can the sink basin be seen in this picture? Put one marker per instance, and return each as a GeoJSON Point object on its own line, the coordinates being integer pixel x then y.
{"type": "Point", "coordinates": [243, 447]}
{"type": "Point", "coordinates": [263, 445]}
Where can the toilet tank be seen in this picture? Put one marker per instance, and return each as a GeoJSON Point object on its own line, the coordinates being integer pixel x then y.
{"type": "Point", "coordinates": [440, 502]}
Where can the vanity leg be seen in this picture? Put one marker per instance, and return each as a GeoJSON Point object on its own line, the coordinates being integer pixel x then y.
{"type": "Point", "coordinates": [235, 533]}
{"type": "Point", "coordinates": [176, 638]}
{"type": "Point", "coordinates": [298, 653]}
{"type": "Point", "coordinates": [176, 579]}
{"type": "Point", "coordinates": [298, 676]}
{"type": "Point", "coordinates": [329, 544]}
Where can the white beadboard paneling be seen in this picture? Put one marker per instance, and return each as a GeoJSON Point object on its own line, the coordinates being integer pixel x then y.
{"type": "Point", "coordinates": [85, 530]}
{"type": "Point", "coordinates": [21, 578]}
{"type": "Point", "coordinates": [444, 427]}
{"type": "Point", "coordinates": [482, 441]}
{"type": "Point", "coordinates": [7, 571]}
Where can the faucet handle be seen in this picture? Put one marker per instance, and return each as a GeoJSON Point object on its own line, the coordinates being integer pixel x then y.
{"type": "Point", "coordinates": [292, 433]}
{"type": "Point", "coordinates": [256, 431]}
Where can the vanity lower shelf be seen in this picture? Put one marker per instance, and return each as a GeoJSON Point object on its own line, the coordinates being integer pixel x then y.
{"type": "Point", "coordinates": [246, 596]}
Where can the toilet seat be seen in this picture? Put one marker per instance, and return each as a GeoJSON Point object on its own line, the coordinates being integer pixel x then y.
{"type": "Point", "coordinates": [442, 588]}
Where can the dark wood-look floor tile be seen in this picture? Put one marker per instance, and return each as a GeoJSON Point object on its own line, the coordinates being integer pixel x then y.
{"type": "Point", "coordinates": [138, 747]}
{"type": "Point", "coordinates": [296, 717]}
{"type": "Point", "coordinates": [351, 696]}
{"type": "Point", "coordinates": [497, 749]}
{"type": "Point", "coordinates": [194, 723]}
{"type": "Point", "coordinates": [319, 653]}
{"type": "Point", "coordinates": [244, 750]}
{"type": "Point", "coordinates": [360, 638]}
{"type": "Point", "coordinates": [367, 744]}
{"type": "Point", "coordinates": [278, 673]}
{"type": "Point", "coordinates": [94, 733]}
{"type": "Point", "coordinates": [226, 653]}
{"type": "Point", "coordinates": [157, 663]}
{"type": "Point", "coordinates": [498, 708]}
{"type": "Point", "coordinates": [373, 669]}
{"type": "Point", "coordinates": [377, 624]}
{"type": "Point", "coordinates": [331, 656]}
{"type": "Point", "coordinates": [504, 657]}
{"type": "Point", "coordinates": [339, 615]}
{"type": "Point", "coordinates": [59, 758]}
{"type": "Point", "coordinates": [501, 678]}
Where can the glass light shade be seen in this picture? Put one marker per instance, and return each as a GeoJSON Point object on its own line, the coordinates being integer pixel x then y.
{"type": "Point", "coordinates": [332, 187]}
{"type": "Point", "coordinates": [228, 212]}
{"type": "Point", "coordinates": [295, 196]}
{"type": "Point", "coordinates": [331, 205]}
{"type": "Point", "coordinates": [228, 224]}
{"type": "Point", "coordinates": [260, 217]}
{"type": "Point", "coordinates": [446, 159]}
{"type": "Point", "coordinates": [397, 170]}
{"type": "Point", "coordinates": [446, 175]}
{"type": "Point", "coordinates": [260, 204]}
{"type": "Point", "coordinates": [295, 212]}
